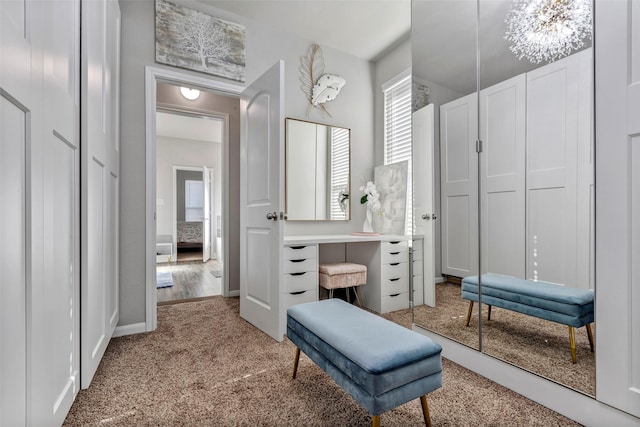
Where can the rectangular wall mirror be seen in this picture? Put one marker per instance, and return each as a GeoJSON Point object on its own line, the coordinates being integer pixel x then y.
{"type": "Point", "coordinates": [317, 177]}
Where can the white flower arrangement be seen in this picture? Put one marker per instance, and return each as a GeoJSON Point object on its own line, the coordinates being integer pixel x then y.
{"type": "Point", "coordinates": [371, 197]}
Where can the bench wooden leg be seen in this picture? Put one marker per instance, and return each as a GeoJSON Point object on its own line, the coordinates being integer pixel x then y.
{"type": "Point", "coordinates": [469, 313]}
{"type": "Point", "coordinates": [590, 335]}
{"type": "Point", "coordinates": [572, 343]}
{"type": "Point", "coordinates": [375, 421]}
{"type": "Point", "coordinates": [425, 410]}
{"type": "Point", "coordinates": [295, 363]}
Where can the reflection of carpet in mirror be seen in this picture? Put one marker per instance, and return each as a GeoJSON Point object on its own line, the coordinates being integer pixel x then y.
{"type": "Point", "coordinates": [534, 344]}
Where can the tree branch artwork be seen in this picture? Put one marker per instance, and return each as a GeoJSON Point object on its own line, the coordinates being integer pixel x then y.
{"type": "Point", "coordinates": [190, 38]}
{"type": "Point", "coordinates": [319, 88]}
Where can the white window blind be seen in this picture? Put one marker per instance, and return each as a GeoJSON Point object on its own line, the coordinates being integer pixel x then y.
{"type": "Point", "coordinates": [193, 200]}
{"type": "Point", "coordinates": [339, 170]}
{"type": "Point", "coordinates": [397, 132]}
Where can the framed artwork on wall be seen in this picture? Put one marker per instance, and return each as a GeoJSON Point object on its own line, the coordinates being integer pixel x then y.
{"type": "Point", "coordinates": [191, 39]}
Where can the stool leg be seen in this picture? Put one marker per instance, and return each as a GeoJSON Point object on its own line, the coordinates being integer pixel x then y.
{"type": "Point", "coordinates": [469, 313]}
{"type": "Point", "coordinates": [330, 293]}
{"type": "Point", "coordinates": [346, 291]}
{"type": "Point", "coordinates": [572, 344]}
{"type": "Point", "coordinates": [489, 314]}
{"type": "Point", "coordinates": [355, 292]}
{"type": "Point", "coordinates": [590, 336]}
{"type": "Point", "coordinates": [425, 410]}
{"type": "Point", "coordinates": [375, 421]}
{"type": "Point", "coordinates": [295, 363]}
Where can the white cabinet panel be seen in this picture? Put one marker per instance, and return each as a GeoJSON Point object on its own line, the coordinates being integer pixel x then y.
{"type": "Point", "coordinates": [459, 186]}
{"type": "Point", "coordinates": [13, 284]}
{"type": "Point", "coordinates": [502, 129]}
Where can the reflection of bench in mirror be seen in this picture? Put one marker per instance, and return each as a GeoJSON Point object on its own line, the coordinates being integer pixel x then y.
{"type": "Point", "coordinates": [564, 305]}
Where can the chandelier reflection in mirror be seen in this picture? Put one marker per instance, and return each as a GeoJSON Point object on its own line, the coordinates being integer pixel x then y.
{"type": "Point", "coordinates": [546, 30]}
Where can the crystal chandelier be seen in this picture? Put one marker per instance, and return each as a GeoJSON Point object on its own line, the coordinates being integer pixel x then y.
{"type": "Point", "coordinates": [546, 30]}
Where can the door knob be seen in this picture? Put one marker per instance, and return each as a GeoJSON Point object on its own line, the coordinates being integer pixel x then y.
{"type": "Point", "coordinates": [426, 216]}
{"type": "Point", "coordinates": [272, 215]}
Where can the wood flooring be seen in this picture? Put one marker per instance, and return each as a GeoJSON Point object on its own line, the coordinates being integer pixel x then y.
{"type": "Point", "coordinates": [191, 280]}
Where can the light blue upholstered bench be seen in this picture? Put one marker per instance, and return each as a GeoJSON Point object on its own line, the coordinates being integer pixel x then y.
{"type": "Point", "coordinates": [568, 306]}
{"type": "Point", "coordinates": [379, 363]}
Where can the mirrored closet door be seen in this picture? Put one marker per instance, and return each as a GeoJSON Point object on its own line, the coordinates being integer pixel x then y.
{"type": "Point", "coordinates": [523, 208]}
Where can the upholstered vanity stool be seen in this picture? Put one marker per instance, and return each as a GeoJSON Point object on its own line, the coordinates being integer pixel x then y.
{"type": "Point", "coordinates": [343, 275]}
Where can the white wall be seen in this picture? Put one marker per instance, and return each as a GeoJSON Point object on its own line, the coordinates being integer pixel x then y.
{"type": "Point", "coordinates": [181, 152]}
{"type": "Point", "coordinates": [264, 46]}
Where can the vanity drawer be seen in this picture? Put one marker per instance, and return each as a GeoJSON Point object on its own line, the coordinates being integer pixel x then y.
{"type": "Point", "coordinates": [300, 252]}
{"type": "Point", "coordinates": [300, 265]}
{"type": "Point", "coordinates": [418, 290]}
{"type": "Point", "coordinates": [395, 271]}
{"type": "Point", "coordinates": [302, 281]}
{"type": "Point", "coordinates": [418, 267]}
{"type": "Point", "coordinates": [395, 285]}
{"type": "Point", "coordinates": [395, 302]}
{"type": "Point", "coordinates": [293, 298]}
{"type": "Point", "coordinates": [417, 250]}
{"type": "Point", "coordinates": [395, 253]}
{"type": "Point", "coordinates": [394, 245]}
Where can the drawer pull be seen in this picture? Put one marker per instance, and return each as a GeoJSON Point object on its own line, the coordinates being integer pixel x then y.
{"type": "Point", "coordinates": [394, 253]}
{"type": "Point", "coordinates": [298, 260]}
{"type": "Point", "coordinates": [298, 274]}
{"type": "Point", "coordinates": [297, 247]}
{"type": "Point", "coordinates": [394, 243]}
{"type": "Point", "coordinates": [302, 292]}
{"type": "Point", "coordinates": [394, 263]}
{"type": "Point", "coordinates": [394, 280]}
{"type": "Point", "coordinates": [394, 295]}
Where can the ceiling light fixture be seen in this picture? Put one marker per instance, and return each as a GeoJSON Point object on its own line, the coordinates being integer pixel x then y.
{"type": "Point", "coordinates": [546, 30]}
{"type": "Point", "coordinates": [190, 94]}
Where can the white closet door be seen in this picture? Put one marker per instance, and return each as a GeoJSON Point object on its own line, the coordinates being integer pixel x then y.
{"type": "Point", "coordinates": [459, 166]}
{"type": "Point", "coordinates": [17, 95]}
{"type": "Point", "coordinates": [502, 127]}
{"type": "Point", "coordinates": [100, 67]}
{"type": "Point", "coordinates": [554, 119]}
{"type": "Point", "coordinates": [618, 204]}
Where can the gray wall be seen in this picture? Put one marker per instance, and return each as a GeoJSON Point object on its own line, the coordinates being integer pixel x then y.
{"type": "Point", "coordinates": [181, 177]}
{"type": "Point", "coordinates": [354, 109]}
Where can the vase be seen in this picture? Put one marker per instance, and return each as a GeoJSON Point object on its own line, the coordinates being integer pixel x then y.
{"type": "Point", "coordinates": [367, 227]}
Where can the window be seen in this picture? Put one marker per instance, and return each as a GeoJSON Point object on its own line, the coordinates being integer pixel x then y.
{"type": "Point", "coordinates": [339, 172]}
{"type": "Point", "coordinates": [397, 131]}
{"type": "Point", "coordinates": [193, 200]}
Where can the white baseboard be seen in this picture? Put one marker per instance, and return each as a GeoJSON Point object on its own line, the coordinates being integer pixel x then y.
{"type": "Point", "coordinates": [136, 328]}
{"type": "Point", "coordinates": [439, 280]}
{"type": "Point", "coordinates": [235, 293]}
{"type": "Point", "coordinates": [572, 404]}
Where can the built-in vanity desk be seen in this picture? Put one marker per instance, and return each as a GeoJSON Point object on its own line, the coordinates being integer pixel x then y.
{"type": "Point", "coordinates": [386, 258]}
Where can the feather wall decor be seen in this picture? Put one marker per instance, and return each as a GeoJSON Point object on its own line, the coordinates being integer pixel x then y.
{"type": "Point", "coordinates": [317, 86]}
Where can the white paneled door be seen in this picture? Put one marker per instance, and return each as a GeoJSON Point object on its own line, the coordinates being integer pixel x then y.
{"type": "Point", "coordinates": [100, 180]}
{"type": "Point", "coordinates": [39, 210]}
{"type": "Point", "coordinates": [206, 211]}
{"type": "Point", "coordinates": [617, 73]}
{"type": "Point", "coordinates": [423, 128]}
{"type": "Point", "coordinates": [459, 186]}
{"type": "Point", "coordinates": [502, 130]}
{"type": "Point", "coordinates": [261, 201]}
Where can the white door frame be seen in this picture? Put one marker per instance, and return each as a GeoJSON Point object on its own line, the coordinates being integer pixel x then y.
{"type": "Point", "coordinates": [152, 75]}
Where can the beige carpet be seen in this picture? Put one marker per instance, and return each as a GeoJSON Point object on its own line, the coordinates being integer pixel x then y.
{"type": "Point", "coordinates": [534, 344]}
{"type": "Point", "coordinates": [205, 366]}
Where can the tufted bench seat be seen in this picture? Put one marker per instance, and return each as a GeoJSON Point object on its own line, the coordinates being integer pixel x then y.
{"type": "Point", "coordinates": [379, 363]}
{"type": "Point", "coordinates": [568, 306]}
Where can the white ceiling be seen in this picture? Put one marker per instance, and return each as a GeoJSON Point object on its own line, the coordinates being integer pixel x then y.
{"type": "Point", "coordinates": [362, 28]}
{"type": "Point", "coordinates": [192, 128]}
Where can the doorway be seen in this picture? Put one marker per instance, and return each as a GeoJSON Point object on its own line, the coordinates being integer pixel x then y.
{"type": "Point", "coordinates": [188, 205]}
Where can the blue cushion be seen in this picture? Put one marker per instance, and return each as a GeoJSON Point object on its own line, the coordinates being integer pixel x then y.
{"type": "Point", "coordinates": [357, 334]}
{"type": "Point", "coordinates": [560, 304]}
{"type": "Point", "coordinates": [542, 290]}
